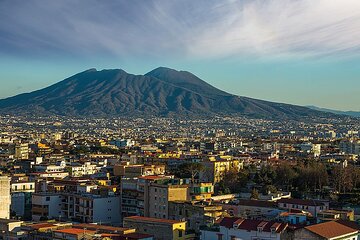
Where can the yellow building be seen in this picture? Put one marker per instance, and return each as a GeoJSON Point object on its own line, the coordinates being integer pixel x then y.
{"type": "Point", "coordinates": [215, 169]}
{"type": "Point", "coordinates": [161, 229]}
{"type": "Point", "coordinates": [169, 155]}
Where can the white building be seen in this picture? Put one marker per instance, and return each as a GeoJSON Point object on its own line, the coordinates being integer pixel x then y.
{"type": "Point", "coordinates": [311, 148]}
{"type": "Point", "coordinates": [50, 168]}
{"type": "Point", "coordinates": [82, 207]}
{"type": "Point", "coordinates": [311, 206]}
{"type": "Point", "coordinates": [82, 169]}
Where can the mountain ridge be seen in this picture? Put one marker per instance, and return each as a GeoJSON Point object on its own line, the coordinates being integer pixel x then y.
{"type": "Point", "coordinates": [339, 112]}
{"type": "Point", "coordinates": [161, 92]}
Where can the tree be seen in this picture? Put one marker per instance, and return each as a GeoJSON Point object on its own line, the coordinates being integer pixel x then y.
{"type": "Point", "coordinates": [269, 189]}
{"type": "Point", "coordinates": [311, 177]}
{"type": "Point", "coordinates": [254, 194]}
{"type": "Point", "coordinates": [189, 170]}
{"type": "Point", "coordinates": [233, 181]}
{"type": "Point", "coordinates": [265, 176]}
{"type": "Point", "coordinates": [243, 177]}
{"type": "Point", "coordinates": [345, 179]}
{"type": "Point", "coordinates": [285, 176]}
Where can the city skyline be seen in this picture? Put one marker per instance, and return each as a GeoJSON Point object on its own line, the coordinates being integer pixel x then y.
{"type": "Point", "coordinates": [298, 52]}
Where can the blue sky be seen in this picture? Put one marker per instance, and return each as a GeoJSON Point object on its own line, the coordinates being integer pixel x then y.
{"type": "Point", "coordinates": [303, 52]}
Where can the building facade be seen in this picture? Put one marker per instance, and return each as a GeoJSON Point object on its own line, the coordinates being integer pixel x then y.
{"type": "Point", "coordinates": [5, 199]}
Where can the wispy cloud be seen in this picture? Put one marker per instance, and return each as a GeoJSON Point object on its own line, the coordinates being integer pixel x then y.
{"type": "Point", "coordinates": [201, 29]}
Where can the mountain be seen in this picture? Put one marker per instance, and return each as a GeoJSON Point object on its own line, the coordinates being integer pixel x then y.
{"type": "Point", "coordinates": [347, 113]}
{"type": "Point", "coordinates": [161, 92]}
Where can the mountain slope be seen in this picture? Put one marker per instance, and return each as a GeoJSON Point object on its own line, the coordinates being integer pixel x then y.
{"type": "Point", "coordinates": [347, 113]}
{"type": "Point", "coordinates": [186, 80]}
{"type": "Point", "coordinates": [162, 91]}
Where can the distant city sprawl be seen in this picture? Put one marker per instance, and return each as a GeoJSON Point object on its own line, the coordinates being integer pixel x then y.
{"type": "Point", "coordinates": [176, 178]}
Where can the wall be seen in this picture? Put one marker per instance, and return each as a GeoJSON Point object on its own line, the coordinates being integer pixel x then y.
{"type": "Point", "coordinates": [5, 199]}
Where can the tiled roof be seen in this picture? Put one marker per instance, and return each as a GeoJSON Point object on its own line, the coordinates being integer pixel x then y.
{"type": "Point", "coordinates": [148, 219]}
{"type": "Point", "coordinates": [331, 229]}
{"type": "Point", "coordinates": [151, 177]}
{"type": "Point", "coordinates": [131, 236]}
{"type": "Point", "coordinates": [75, 231]}
{"type": "Point", "coordinates": [257, 203]}
{"type": "Point", "coordinates": [350, 224]}
{"type": "Point", "coordinates": [304, 202]}
{"type": "Point", "coordinates": [38, 226]}
{"type": "Point", "coordinates": [99, 227]}
{"type": "Point", "coordinates": [252, 225]}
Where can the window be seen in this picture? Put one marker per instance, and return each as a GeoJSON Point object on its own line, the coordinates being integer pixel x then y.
{"type": "Point", "coordinates": [47, 199]}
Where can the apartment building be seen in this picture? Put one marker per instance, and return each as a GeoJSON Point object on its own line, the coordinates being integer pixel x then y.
{"type": "Point", "coordinates": [22, 151]}
{"type": "Point", "coordinates": [21, 192]}
{"type": "Point", "coordinates": [161, 193]}
{"type": "Point", "coordinates": [82, 207]}
{"type": "Point", "coordinates": [215, 168]}
{"type": "Point", "coordinates": [79, 170]}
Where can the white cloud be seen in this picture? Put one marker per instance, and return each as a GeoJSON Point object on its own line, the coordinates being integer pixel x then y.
{"type": "Point", "coordinates": [202, 29]}
{"type": "Point", "coordinates": [283, 27]}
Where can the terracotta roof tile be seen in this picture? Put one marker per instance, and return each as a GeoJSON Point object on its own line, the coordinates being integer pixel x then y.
{"type": "Point", "coordinates": [148, 219]}
{"type": "Point", "coordinates": [252, 225]}
{"type": "Point", "coordinates": [330, 229]}
{"type": "Point", "coordinates": [75, 231]}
